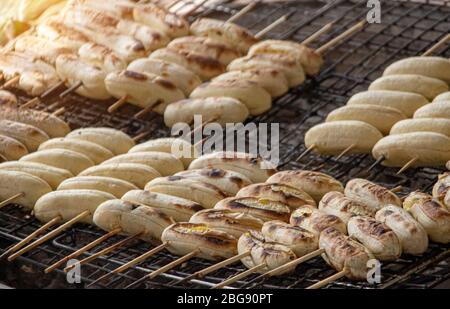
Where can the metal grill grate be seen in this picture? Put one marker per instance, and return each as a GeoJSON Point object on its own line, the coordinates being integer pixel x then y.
{"type": "Point", "coordinates": [408, 28]}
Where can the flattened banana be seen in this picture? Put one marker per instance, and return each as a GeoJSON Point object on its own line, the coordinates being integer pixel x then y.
{"type": "Point", "coordinates": [114, 140]}
{"type": "Point", "coordinates": [11, 148]}
{"type": "Point", "coordinates": [52, 175]}
{"type": "Point", "coordinates": [435, 67]}
{"type": "Point", "coordinates": [200, 192]}
{"type": "Point", "coordinates": [132, 219]}
{"type": "Point", "coordinates": [428, 148]}
{"type": "Point", "coordinates": [181, 149]}
{"type": "Point", "coordinates": [181, 77]}
{"type": "Point", "coordinates": [180, 209]}
{"type": "Point", "coordinates": [436, 125]}
{"type": "Point", "coordinates": [165, 163]}
{"type": "Point", "coordinates": [426, 86]}
{"type": "Point", "coordinates": [93, 151]}
{"type": "Point", "coordinates": [255, 168]}
{"type": "Point", "coordinates": [228, 182]}
{"type": "Point", "coordinates": [406, 102]}
{"type": "Point", "coordinates": [439, 109]}
{"type": "Point", "coordinates": [75, 202]}
{"type": "Point", "coordinates": [272, 80]}
{"type": "Point", "coordinates": [222, 109]}
{"type": "Point", "coordinates": [331, 138]}
{"type": "Point", "coordinates": [137, 174]}
{"type": "Point", "coordinates": [28, 135]}
{"type": "Point", "coordinates": [70, 160]}
{"type": "Point", "coordinates": [109, 185]}
{"type": "Point", "coordinates": [50, 124]}
{"type": "Point", "coordinates": [12, 183]}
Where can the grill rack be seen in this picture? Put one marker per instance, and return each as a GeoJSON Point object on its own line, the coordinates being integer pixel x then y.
{"type": "Point", "coordinates": [350, 67]}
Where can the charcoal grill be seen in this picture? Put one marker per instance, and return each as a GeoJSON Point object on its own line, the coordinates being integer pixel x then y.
{"type": "Point", "coordinates": [408, 28]}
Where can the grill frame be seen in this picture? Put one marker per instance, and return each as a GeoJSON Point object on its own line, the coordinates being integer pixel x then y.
{"type": "Point", "coordinates": [412, 28]}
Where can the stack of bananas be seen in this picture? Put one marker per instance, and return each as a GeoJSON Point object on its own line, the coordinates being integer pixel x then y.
{"type": "Point", "coordinates": [16, 16]}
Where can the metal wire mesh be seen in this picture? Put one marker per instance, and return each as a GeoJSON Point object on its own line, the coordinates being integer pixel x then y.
{"type": "Point", "coordinates": [407, 29]}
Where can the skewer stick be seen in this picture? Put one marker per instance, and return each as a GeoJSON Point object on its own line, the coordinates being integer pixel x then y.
{"type": "Point", "coordinates": [437, 45]}
{"type": "Point", "coordinates": [345, 151]}
{"type": "Point", "coordinates": [238, 277]}
{"type": "Point", "coordinates": [378, 161]}
{"type": "Point", "coordinates": [51, 90]}
{"type": "Point", "coordinates": [318, 33]}
{"type": "Point", "coordinates": [272, 26]}
{"type": "Point", "coordinates": [11, 199]}
{"type": "Point", "coordinates": [200, 127]}
{"type": "Point", "coordinates": [50, 235]}
{"type": "Point", "coordinates": [104, 251]}
{"type": "Point", "coordinates": [147, 110]}
{"type": "Point", "coordinates": [11, 83]}
{"type": "Point", "coordinates": [119, 103]}
{"type": "Point", "coordinates": [396, 189]}
{"type": "Point", "coordinates": [71, 89]}
{"type": "Point", "coordinates": [242, 12]}
{"type": "Point", "coordinates": [328, 280]}
{"type": "Point", "coordinates": [31, 103]}
{"type": "Point", "coordinates": [2, 159]}
{"type": "Point", "coordinates": [165, 268]}
{"type": "Point", "coordinates": [140, 136]}
{"type": "Point", "coordinates": [59, 111]}
{"type": "Point", "coordinates": [407, 165]}
{"type": "Point", "coordinates": [293, 263]}
{"type": "Point", "coordinates": [194, 8]}
{"type": "Point", "coordinates": [30, 237]}
{"type": "Point", "coordinates": [210, 269]}
{"type": "Point", "coordinates": [173, 4]}
{"type": "Point", "coordinates": [83, 250]}
{"type": "Point", "coordinates": [341, 37]}
{"type": "Point", "coordinates": [305, 153]}
{"type": "Point", "coordinates": [131, 263]}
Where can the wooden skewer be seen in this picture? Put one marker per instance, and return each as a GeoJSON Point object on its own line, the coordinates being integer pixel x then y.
{"type": "Point", "coordinates": [50, 235]}
{"type": "Point", "coordinates": [345, 151]}
{"type": "Point", "coordinates": [328, 280]}
{"type": "Point", "coordinates": [173, 4]}
{"type": "Point", "coordinates": [239, 276]}
{"type": "Point", "coordinates": [140, 136]}
{"type": "Point", "coordinates": [407, 165]}
{"type": "Point", "coordinates": [242, 12]}
{"type": "Point", "coordinates": [210, 269]}
{"type": "Point", "coordinates": [318, 33]}
{"type": "Point", "coordinates": [437, 45]}
{"type": "Point", "coordinates": [59, 111]}
{"type": "Point", "coordinates": [83, 250]}
{"type": "Point", "coordinates": [104, 251]}
{"type": "Point", "coordinates": [147, 110]}
{"type": "Point", "coordinates": [204, 123]}
{"type": "Point", "coordinates": [51, 90]}
{"type": "Point", "coordinates": [194, 8]}
{"type": "Point", "coordinates": [396, 189]}
{"type": "Point", "coordinates": [378, 161]}
{"type": "Point", "coordinates": [9, 200]}
{"type": "Point", "coordinates": [272, 26]}
{"type": "Point", "coordinates": [71, 89]}
{"type": "Point", "coordinates": [119, 103]}
{"type": "Point", "coordinates": [2, 159]}
{"type": "Point", "coordinates": [131, 263]}
{"type": "Point", "coordinates": [305, 153]}
{"type": "Point", "coordinates": [30, 237]}
{"type": "Point", "coordinates": [293, 263]}
{"type": "Point", "coordinates": [31, 103]}
{"type": "Point", "coordinates": [165, 268]}
{"type": "Point", "coordinates": [339, 38]}
{"type": "Point", "coordinates": [11, 83]}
